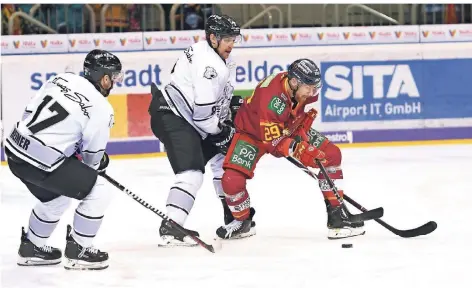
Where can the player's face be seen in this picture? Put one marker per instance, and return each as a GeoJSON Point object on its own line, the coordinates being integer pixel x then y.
{"type": "Point", "coordinates": [305, 91]}
{"type": "Point", "coordinates": [106, 82]}
{"type": "Point", "coordinates": [227, 44]}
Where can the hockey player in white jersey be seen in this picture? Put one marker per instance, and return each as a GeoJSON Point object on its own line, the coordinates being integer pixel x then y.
{"type": "Point", "coordinates": [58, 151]}
{"type": "Point", "coordinates": [191, 116]}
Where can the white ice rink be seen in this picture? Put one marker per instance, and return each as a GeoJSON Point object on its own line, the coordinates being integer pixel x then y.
{"type": "Point", "coordinates": [414, 184]}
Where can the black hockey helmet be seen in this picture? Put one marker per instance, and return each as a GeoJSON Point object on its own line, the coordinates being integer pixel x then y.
{"type": "Point", "coordinates": [222, 26]}
{"type": "Point", "coordinates": [99, 63]}
{"type": "Point", "coordinates": [305, 71]}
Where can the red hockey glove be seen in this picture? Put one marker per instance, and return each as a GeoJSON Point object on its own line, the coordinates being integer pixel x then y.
{"type": "Point", "coordinates": [306, 154]}
{"type": "Point", "coordinates": [306, 123]}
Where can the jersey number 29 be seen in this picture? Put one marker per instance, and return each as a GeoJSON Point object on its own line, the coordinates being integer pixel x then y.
{"type": "Point", "coordinates": [48, 122]}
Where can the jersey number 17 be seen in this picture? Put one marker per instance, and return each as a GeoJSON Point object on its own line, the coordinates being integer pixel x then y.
{"type": "Point", "coordinates": [48, 122]}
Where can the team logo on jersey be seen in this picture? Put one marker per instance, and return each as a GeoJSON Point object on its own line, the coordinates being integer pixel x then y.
{"type": "Point", "coordinates": [244, 155]}
{"type": "Point", "coordinates": [315, 138]}
{"type": "Point", "coordinates": [210, 73]}
{"type": "Point", "coordinates": [228, 90]}
{"type": "Point", "coordinates": [277, 105]}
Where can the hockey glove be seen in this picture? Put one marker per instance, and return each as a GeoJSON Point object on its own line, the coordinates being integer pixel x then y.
{"type": "Point", "coordinates": [223, 139]}
{"type": "Point", "coordinates": [236, 102]}
{"type": "Point", "coordinates": [306, 154]}
{"type": "Point", "coordinates": [103, 164]}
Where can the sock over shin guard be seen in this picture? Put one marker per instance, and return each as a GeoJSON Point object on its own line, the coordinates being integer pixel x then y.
{"type": "Point", "coordinates": [182, 195]}
{"type": "Point", "coordinates": [336, 175]}
{"type": "Point", "coordinates": [44, 218]}
{"type": "Point", "coordinates": [237, 197]}
{"type": "Point", "coordinates": [89, 214]}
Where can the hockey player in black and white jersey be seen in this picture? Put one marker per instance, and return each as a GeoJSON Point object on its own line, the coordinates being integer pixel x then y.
{"type": "Point", "coordinates": [191, 117]}
{"type": "Point", "coordinates": [58, 151]}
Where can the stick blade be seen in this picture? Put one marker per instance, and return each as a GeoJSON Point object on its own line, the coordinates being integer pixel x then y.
{"type": "Point", "coordinates": [422, 230]}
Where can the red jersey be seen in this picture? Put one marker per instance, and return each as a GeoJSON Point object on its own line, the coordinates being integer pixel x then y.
{"type": "Point", "coordinates": [269, 111]}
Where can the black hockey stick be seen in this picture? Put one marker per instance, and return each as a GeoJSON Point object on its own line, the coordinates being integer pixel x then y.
{"type": "Point", "coordinates": [364, 216]}
{"type": "Point", "coordinates": [159, 213]}
{"type": "Point", "coordinates": [425, 229]}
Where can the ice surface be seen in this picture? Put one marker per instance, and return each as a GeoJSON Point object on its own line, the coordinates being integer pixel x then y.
{"type": "Point", "coordinates": [414, 184]}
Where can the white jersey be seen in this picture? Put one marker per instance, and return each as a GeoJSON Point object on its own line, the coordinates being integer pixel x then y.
{"type": "Point", "coordinates": [200, 88]}
{"type": "Point", "coordinates": [67, 113]}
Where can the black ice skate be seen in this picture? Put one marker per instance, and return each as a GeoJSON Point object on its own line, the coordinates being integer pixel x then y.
{"type": "Point", "coordinates": [238, 229]}
{"type": "Point", "coordinates": [172, 237]}
{"type": "Point", "coordinates": [339, 227]}
{"type": "Point", "coordinates": [32, 255]}
{"type": "Point", "coordinates": [83, 258]}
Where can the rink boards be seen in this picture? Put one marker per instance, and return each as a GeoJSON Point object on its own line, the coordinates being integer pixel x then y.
{"type": "Point", "coordinates": [374, 94]}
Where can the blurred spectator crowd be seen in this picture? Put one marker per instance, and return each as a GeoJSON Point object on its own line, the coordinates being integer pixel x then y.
{"type": "Point", "coordinates": [76, 18]}
{"type": "Point", "coordinates": [97, 18]}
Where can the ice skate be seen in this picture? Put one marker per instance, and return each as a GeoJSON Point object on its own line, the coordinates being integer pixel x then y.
{"type": "Point", "coordinates": [238, 229]}
{"type": "Point", "coordinates": [32, 255]}
{"type": "Point", "coordinates": [339, 227]}
{"type": "Point", "coordinates": [83, 258]}
{"type": "Point", "coordinates": [172, 237]}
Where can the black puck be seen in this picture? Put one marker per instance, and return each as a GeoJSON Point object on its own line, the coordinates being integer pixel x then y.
{"type": "Point", "coordinates": [346, 245]}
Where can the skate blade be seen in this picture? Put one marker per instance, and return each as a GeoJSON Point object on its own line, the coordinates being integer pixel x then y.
{"type": "Point", "coordinates": [170, 241]}
{"type": "Point", "coordinates": [342, 233]}
{"type": "Point", "coordinates": [248, 234]}
{"type": "Point", "coordinates": [72, 264]}
{"type": "Point", "coordinates": [34, 261]}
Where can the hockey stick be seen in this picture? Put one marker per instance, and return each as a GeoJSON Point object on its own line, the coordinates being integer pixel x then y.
{"type": "Point", "coordinates": [209, 247]}
{"type": "Point", "coordinates": [425, 229]}
{"type": "Point", "coordinates": [364, 216]}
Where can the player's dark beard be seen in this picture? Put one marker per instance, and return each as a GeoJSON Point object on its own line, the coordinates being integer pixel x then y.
{"type": "Point", "coordinates": [294, 94]}
{"type": "Point", "coordinates": [105, 92]}
{"type": "Point", "coordinates": [216, 49]}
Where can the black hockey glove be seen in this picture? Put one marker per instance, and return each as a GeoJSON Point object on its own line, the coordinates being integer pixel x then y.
{"type": "Point", "coordinates": [236, 102]}
{"type": "Point", "coordinates": [222, 140]}
{"type": "Point", "coordinates": [103, 164]}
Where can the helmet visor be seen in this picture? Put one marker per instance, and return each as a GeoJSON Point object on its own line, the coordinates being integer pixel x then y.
{"type": "Point", "coordinates": [231, 38]}
{"type": "Point", "coordinates": [117, 76]}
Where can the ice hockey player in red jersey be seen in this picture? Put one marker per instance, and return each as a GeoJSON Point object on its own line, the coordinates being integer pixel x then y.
{"type": "Point", "coordinates": [265, 123]}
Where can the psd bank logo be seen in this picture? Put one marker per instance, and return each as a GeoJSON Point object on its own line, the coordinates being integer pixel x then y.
{"type": "Point", "coordinates": [366, 91]}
